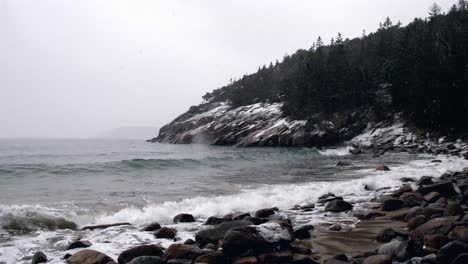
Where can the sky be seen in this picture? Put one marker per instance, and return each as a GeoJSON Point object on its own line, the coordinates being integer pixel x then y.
{"type": "Point", "coordinates": [72, 69]}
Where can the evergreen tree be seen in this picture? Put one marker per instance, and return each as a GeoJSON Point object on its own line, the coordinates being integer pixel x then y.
{"type": "Point", "coordinates": [435, 10]}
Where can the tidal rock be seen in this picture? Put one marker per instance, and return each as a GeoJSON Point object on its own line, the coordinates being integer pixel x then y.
{"type": "Point", "coordinates": [240, 216]}
{"type": "Point", "coordinates": [165, 232]}
{"type": "Point", "coordinates": [276, 257]}
{"type": "Point", "coordinates": [460, 233]}
{"type": "Point", "coordinates": [444, 188]}
{"type": "Point", "coordinates": [139, 251]}
{"type": "Point", "coordinates": [88, 256]}
{"type": "Point", "coordinates": [212, 220]}
{"type": "Point", "coordinates": [93, 227]}
{"type": "Point", "coordinates": [338, 206]}
{"type": "Point", "coordinates": [183, 251]}
{"type": "Point", "coordinates": [425, 180]}
{"type": "Point", "coordinates": [436, 226]}
{"type": "Point", "coordinates": [343, 164]}
{"type": "Point", "coordinates": [256, 220]}
{"type": "Point", "coordinates": [262, 213]}
{"type": "Point", "coordinates": [261, 238]}
{"type": "Point", "coordinates": [179, 261]}
{"type": "Point", "coordinates": [189, 242]}
{"type": "Point", "coordinates": [183, 218]}
{"type": "Point", "coordinates": [79, 244]}
{"type": "Point", "coordinates": [390, 248]}
{"type": "Point", "coordinates": [335, 227]}
{"type": "Point", "coordinates": [409, 249]}
{"type": "Point", "coordinates": [39, 257]}
{"type": "Point", "coordinates": [213, 235]}
{"type": "Point", "coordinates": [382, 168]}
{"type": "Point", "coordinates": [453, 208]}
{"type": "Point", "coordinates": [403, 189]}
{"type": "Point", "coordinates": [246, 260]}
{"type": "Point", "coordinates": [152, 227]}
{"type": "Point", "coordinates": [436, 241]}
{"type": "Point", "coordinates": [391, 204]}
{"type": "Point", "coordinates": [432, 197]}
{"type": "Point", "coordinates": [303, 232]}
{"type": "Point", "coordinates": [411, 199]}
{"type": "Point", "coordinates": [146, 260]}
{"type": "Point", "coordinates": [450, 252]}
{"type": "Point", "coordinates": [461, 259]}
{"type": "Point", "coordinates": [378, 259]}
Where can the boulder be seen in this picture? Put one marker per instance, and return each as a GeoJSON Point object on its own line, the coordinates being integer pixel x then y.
{"type": "Point", "coordinates": [212, 220]}
{"type": "Point", "coordinates": [461, 259]}
{"type": "Point", "coordinates": [425, 180]}
{"type": "Point", "coordinates": [93, 227]}
{"type": "Point", "coordinates": [411, 199]}
{"type": "Point", "coordinates": [79, 244]}
{"type": "Point", "coordinates": [39, 257]}
{"type": "Point", "coordinates": [416, 221]}
{"type": "Point", "coordinates": [386, 235]}
{"type": "Point", "coordinates": [391, 204]}
{"type": "Point", "coordinates": [183, 218]}
{"type": "Point", "coordinates": [183, 251]}
{"type": "Point", "coordinates": [449, 252]}
{"type": "Point", "coordinates": [189, 242]}
{"type": "Point", "coordinates": [281, 257]}
{"type": "Point", "coordinates": [368, 215]}
{"type": "Point", "coordinates": [408, 249]}
{"type": "Point", "coordinates": [165, 232]}
{"type": "Point", "coordinates": [246, 260]}
{"type": "Point", "coordinates": [403, 189]}
{"type": "Point", "coordinates": [436, 226]}
{"type": "Point", "coordinates": [152, 227]}
{"type": "Point", "coordinates": [390, 248]}
{"type": "Point", "coordinates": [323, 201]}
{"type": "Point", "coordinates": [213, 235]}
{"type": "Point", "coordinates": [444, 188]}
{"type": "Point", "coordinates": [382, 168]}
{"type": "Point", "coordinates": [88, 256]}
{"type": "Point", "coordinates": [432, 197]}
{"type": "Point", "coordinates": [436, 241]}
{"type": "Point", "coordinates": [139, 251]}
{"type": "Point", "coordinates": [378, 259]}
{"type": "Point", "coordinates": [179, 261]}
{"type": "Point", "coordinates": [338, 206]}
{"type": "Point", "coordinates": [460, 233]}
{"type": "Point", "coordinates": [240, 216]}
{"type": "Point", "coordinates": [303, 232]}
{"type": "Point", "coordinates": [146, 260]}
{"type": "Point", "coordinates": [259, 239]}
{"type": "Point", "coordinates": [215, 257]}
{"type": "Point", "coordinates": [262, 213]}
{"type": "Point", "coordinates": [256, 220]}
{"type": "Point", "coordinates": [343, 164]}
{"type": "Point", "coordinates": [452, 209]}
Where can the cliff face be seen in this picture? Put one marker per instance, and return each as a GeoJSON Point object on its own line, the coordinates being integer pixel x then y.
{"type": "Point", "coordinates": [261, 124]}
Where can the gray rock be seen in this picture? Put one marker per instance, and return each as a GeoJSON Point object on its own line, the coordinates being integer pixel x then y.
{"type": "Point", "coordinates": [146, 260]}
{"type": "Point", "coordinates": [338, 206]}
{"type": "Point", "coordinates": [39, 257]}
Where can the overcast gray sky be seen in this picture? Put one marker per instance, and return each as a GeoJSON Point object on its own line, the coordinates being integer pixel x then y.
{"type": "Point", "coordinates": [76, 68]}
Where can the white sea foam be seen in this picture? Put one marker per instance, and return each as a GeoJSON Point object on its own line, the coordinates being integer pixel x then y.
{"type": "Point", "coordinates": [344, 151]}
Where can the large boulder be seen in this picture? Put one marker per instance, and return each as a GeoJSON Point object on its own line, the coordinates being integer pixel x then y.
{"type": "Point", "coordinates": [416, 221]}
{"type": "Point", "coordinates": [213, 235]}
{"type": "Point", "coordinates": [259, 239]}
{"type": "Point", "coordinates": [391, 204]}
{"type": "Point", "coordinates": [262, 213]}
{"type": "Point", "coordinates": [183, 251]}
{"type": "Point", "coordinates": [338, 206]}
{"type": "Point", "coordinates": [213, 220]}
{"type": "Point", "coordinates": [411, 199]}
{"type": "Point", "coordinates": [444, 188]}
{"type": "Point", "coordinates": [146, 260]}
{"type": "Point", "coordinates": [152, 227]}
{"type": "Point", "coordinates": [215, 257]}
{"type": "Point", "coordinates": [450, 251]}
{"type": "Point", "coordinates": [165, 232]}
{"type": "Point", "coordinates": [436, 226]}
{"type": "Point", "coordinates": [138, 251]}
{"type": "Point", "coordinates": [303, 232]}
{"type": "Point", "coordinates": [39, 257]}
{"type": "Point", "coordinates": [88, 256]}
{"type": "Point", "coordinates": [79, 244]}
{"type": "Point", "coordinates": [183, 218]}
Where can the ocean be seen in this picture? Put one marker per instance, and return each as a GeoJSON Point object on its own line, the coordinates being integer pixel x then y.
{"type": "Point", "coordinates": [46, 182]}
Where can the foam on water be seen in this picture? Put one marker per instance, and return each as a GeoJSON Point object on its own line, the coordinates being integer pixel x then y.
{"type": "Point", "coordinates": [112, 241]}
{"type": "Point", "coordinates": [344, 151]}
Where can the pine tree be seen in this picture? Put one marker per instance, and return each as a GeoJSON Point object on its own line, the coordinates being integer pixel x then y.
{"type": "Point", "coordinates": [435, 10]}
{"type": "Point", "coordinates": [319, 42]}
{"type": "Point", "coordinates": [388, 23]}
{"type": "Point", "coordinates": [339, 39]}
{"type": "Point", "coordinates": [462, 5]}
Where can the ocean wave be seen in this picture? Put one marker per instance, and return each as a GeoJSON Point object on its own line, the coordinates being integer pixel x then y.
{"type": "Point", "coordinates": [344, 151]}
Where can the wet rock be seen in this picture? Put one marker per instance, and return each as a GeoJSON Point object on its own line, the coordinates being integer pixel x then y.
{"type": "Point", "coordinates": [460, 233]}
{"type": "Point", "coordinates": [329, 199]}
{"type": "Point", "coordinates": [428, 212]}
{"type": "Point", "coordinates": [343, 164]}
{"type": "Point", "coordinates": [256, 220]}
{"type": "Point", "coordinates": [416, 221]}
{"type": "Point", "coordinates": [338, 206]}
{"type": "Point", "coordinates": [139, 251]}
{"type": "Point", "coordinates": [165, 232]}
{"type": "Point", "coordinates": [183, 218]}
{"type": "Point", "coordinates": [261, 238]}
{"type": "Point", "coordinates": [335, 227]}
{"type": "Point", "coordinates": [432, 197]}
{"type": "Point", "coordinates": [262, 213]}
{"type": "Point", "coordinates": [411, 199]}
{"type": "Point", "coordinates": [146, 260]}
{"type": "Point", "coordinates": [215, 257]}
{"type": "Point", "coordinates": [390, 248]}
{"type": "Point", "coordinates": [282, 257]}
{"type": "Point", "coordinates": [213, 235]}
{"type": "Point", "coordinates": [391, 204]}
{"type": "Point", "coordinates": [436, 226]}
{"type": "Point", "coordinates": [367, 215]}
{"type": "Point", "coordinates": [212, 220]}
{"type": "Point", "coordinates": [378, 259]}
{"type": "Point", "coordinates": [453, 208]}
{"type": "Point", "coordinates": [189, 242]}
{"type": "Point", "coordinates": [386, 235]}
{"type": "Point", "coordinates": [450, 251]}
{"type": "Point", "coordinates": [240, 216]}
{"type": "Point", "coordinates": [307, 206]}
{"type": "Point", "coordinates": [409, 249]}
{"type": "Point", "coordinates": [436, 241]}
{"type": "Point", "coordinates": [303, 232]}
{"type": "Point", "coordinates": [406, 179]}
{"type": "Point", "coordinates": [429, 259]}
{"type": "Point", "coordinates": [461, 259]}
{"type": "Point", "coordinates": [179, 261]}
{"type": "Point", "coordinates": [382, 168]}
{"type": "Point", "coordinates": [425, 180]}
{"type": "Point", "coordinates": [39, 257]}
{"type": "Point", "coordinates": [93, 227]}
{"type": "Point", "coordinates": [79, 244]}
{"type": "Point", "coordinates": [211, 247]}
{"type": "Point", "coordinates": [403, 189]}
{"type": "Point", "coordinates": [183, 251]}
{"type": "Point", "coordinates": [246, 260]}
{"type": "Point", "coordinates": [88, 256]}
{"type": "Point", "coordinates": [152, 227]}
{"type": "Point", "coordinates": [444, 188]}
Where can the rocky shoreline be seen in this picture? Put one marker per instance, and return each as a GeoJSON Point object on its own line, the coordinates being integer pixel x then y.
{"type": "Point", "coordinates": [423, 221]}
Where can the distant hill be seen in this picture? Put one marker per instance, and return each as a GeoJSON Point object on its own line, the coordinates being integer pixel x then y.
{"type": "Point", "coordinates": [129, 132]}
